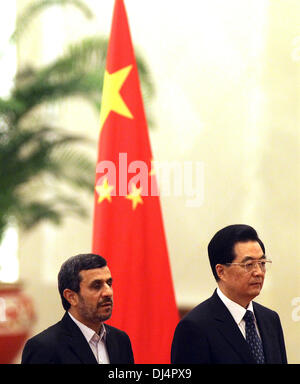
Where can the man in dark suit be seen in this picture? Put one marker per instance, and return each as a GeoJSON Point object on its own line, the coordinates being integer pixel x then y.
{"type": "Point", "coordinates": [81, 337]}
{"type": "Point", "coordinates": [229, 328]}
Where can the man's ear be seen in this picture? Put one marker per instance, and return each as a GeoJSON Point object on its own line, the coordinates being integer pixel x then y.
{"type": "Point", "coordinates": [220, 270]}
{"type": "Point", "coordinates": [71, 297]}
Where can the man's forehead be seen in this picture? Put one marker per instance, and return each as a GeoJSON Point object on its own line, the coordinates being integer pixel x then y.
{"type": "Point", "coordinates": [99, 273]}
{"type": "Point", "coordinates": [248, 248]}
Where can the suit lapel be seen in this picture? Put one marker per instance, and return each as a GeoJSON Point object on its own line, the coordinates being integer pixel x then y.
{"type": "Point", "coordinates": [265, 332]}
{"type": "Point", "coordinates": [77, 342]}
{"type": "Point", "coordinates": [229, 329]}
{"type": "Point", "coordinates": [110, 345]}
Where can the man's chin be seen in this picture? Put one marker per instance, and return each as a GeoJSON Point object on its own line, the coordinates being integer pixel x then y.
{"type": "Point", "coordinates": [255, 289]}
{"type": "Point", "coordinates": [105, 316]}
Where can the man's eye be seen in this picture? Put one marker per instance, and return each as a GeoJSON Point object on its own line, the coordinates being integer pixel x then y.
{"type": "Point", "coordinates": [249, 265]}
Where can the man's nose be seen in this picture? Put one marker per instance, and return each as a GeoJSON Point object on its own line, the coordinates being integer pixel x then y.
{"type": "Point", "coordinates": [257, 269]}
{"type": "Point", "coordinates": [107, 290]}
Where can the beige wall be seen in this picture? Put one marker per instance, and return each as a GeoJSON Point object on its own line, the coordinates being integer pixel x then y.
{"type": "Point", "coordinates": [227, 95]}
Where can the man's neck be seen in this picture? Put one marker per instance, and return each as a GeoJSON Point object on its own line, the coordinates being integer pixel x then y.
{"type": "Point", "coordinates": [244, 302]}
{"type": "Point", "coordinates": [95, 327]}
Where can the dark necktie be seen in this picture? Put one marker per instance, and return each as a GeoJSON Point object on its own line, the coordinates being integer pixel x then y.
{"type": "Point", "coordinates": [253, 339]}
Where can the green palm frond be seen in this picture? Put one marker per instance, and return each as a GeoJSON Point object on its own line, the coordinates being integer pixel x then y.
{"type": "Point", "coordinates": [30, 154]}
{"type": "Point", "coordinates": [31, 213]}
{"type": "Point", "coordinates": [36, 7]}
{"type": "Point", "coordinates": [78, 170]}
{"type": "Point", "coordinates": [79, 72]}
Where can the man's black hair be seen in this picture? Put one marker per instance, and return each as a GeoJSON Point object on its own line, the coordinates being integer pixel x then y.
{"type": "Point", "coordinates": [221, 246]}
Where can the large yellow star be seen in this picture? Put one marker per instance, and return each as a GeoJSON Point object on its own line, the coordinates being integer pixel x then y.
{"type": "Point", "coordinates": [104, 191]}
{"type": "Point", "coordinates": [111, 98]}
{"type": "Point", "coordinates": [135, 196]}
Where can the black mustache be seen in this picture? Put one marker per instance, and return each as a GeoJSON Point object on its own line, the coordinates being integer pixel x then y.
{"type": "Point", "coordinates": [105, 301]}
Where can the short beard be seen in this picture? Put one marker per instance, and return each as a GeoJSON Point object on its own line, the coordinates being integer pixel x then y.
{"type": "Point", "coordinates": [93, 316]}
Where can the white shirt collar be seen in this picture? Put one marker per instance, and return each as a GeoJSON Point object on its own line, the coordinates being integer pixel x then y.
{"type": "Point", "coordinates": [88, 332]}
{"type": "Point", "coordinates": [236, 310]}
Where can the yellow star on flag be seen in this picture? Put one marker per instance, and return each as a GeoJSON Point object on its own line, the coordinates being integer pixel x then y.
{"type": "Point", "coordinates": [135, 196]}
{"type": "Point", "coordinates": [104, 191]}
{"type": "Point", "coordinates": [111, 98]}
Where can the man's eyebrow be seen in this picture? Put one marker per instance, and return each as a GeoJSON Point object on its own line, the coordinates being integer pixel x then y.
{"type": "Point", "coordinates": [96, 281]}
{"type": "Point", "coordinates": [247, 258]}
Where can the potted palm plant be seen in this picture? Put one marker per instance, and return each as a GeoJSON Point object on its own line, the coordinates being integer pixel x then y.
{"type": "Point", "coordinates": [33, 151]}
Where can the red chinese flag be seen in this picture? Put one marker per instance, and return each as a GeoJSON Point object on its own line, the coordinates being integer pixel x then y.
{"type": "Point", "coordinates": [128, 228]}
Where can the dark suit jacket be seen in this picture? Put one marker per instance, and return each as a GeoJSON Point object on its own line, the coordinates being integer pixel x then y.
{"type": "Point", "coordinates": [64, 343]}
{"type": "Point", "coordinates": [209, 335]}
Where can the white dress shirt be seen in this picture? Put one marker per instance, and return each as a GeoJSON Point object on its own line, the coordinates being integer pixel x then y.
{"type": "Point", "coordinates": [237, 312]}
{"type": "Point", "coordinates": [95, 341]}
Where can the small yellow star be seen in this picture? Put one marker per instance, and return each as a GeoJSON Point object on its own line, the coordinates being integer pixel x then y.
{"type": "Point", "coordinates": [104, 191]}
{"type": "Point", "coordinates": [111, 98]}
{"type": "Point", "coordinates": [135, 196]}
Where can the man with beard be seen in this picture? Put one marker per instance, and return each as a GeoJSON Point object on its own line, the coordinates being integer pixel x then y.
{"type": "Point", "coordinates": [81, 337]}
{"type": "Point", "coordinates": [230, 328]}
